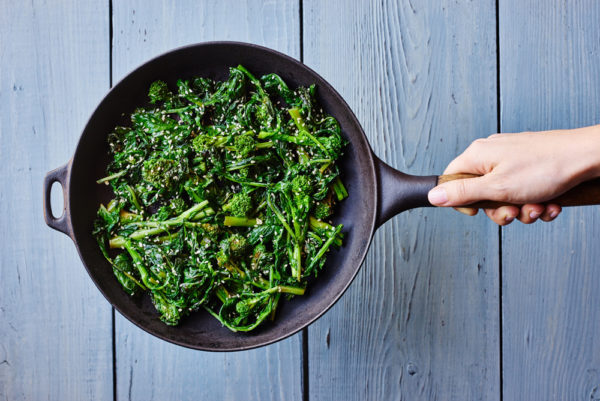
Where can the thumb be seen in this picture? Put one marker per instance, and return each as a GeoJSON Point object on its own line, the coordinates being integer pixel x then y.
{"type": "Point", "coordinates": [460, 192]}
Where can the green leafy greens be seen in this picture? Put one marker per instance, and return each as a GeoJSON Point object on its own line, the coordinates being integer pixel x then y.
{"type": "Point", "coordinates": [221, 192]}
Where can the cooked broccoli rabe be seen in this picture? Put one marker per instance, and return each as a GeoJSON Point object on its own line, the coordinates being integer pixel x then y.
{"type": "Point", "coordinates": [240, 205]}
{"type": "Point", "coordinates": [221, 191]}
{"type": "Point", "coordinates": [159, 91]}
{"type": "Point", "coordinates": [322, 210]}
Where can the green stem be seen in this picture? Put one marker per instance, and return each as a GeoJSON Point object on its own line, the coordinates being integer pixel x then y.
{"type": "Point", "coordinates": [233, 221]}
{"type": "Point", "coordinates": [286, 289]}
{"type": "Point", "coordinates": [302, 155]}
{"type": "Point", "coordinates": [315, 237]}
{"type": "Point", "coordinates": [279, 215]}
{"type": "Point", "coordinates": [297, 118]}
{"type": "Point", "coordinates": [265, 134]}
{"type": "Point", "coordinates": [338, 241]}
{"type": "Point", "coordinates": [129, 276]}
{"type": "Point", "coordinates": [134, 199]}
{"type": "Point", "coordinates": [247, 162]}
{"type": "Point", "coordinates": [301, 125]}
{"type": "Point", "coordinates": [317, 142]}
{"type": "Point", "coordinates": [324, 248]}
{"type": "Point", "coordinates": [191, 212]}
{"type": "Point", "coordinates": [283, 137]}
{"type": "Point", "coordinates": [275, 302]}
{"type": "Point", "coordinates": [318, 161]}
{"type": "Point", "coordinates": [321, 225]}
{"type": "Point", "coordinates": [252, 184]}
{"type": "Point", "coordinates": [298, 260]}
{"type": "Point", "coordinates": [112, 177]}
{"type": "Point", "coordinates": [156, 227]}
{"type": "Point", "coordinates": [176, 111]}
{"type": "Point", "coordinates": [264, 145]}
{"type": "Point", "coordinates": [112, 205]}
{"type": "Point", "coordinates": [172, 222]}
{"type": "Point", "coordinates": [169, 236]}
{"type": "Point", "coordinates": [324, 167]}
{"type": "Point", "coordinates": [253, 79]}
{"type": "Point", "coordinates": [261, 205]}
{"type": "Point", "coordinates": [318, 224]}
{"type": "Point", "coordinates": [125, 216]}
{"type": "Point", "coordinates": [138, 262]}
{"type": "Point", "coordinates": [339, 189]}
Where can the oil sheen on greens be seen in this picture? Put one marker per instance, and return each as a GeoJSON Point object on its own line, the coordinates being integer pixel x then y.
{"type": "Point", "coordinates": [222, 196]}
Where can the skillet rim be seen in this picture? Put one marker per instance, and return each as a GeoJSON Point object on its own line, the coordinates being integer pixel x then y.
{"type": "Point", "coordinates": [370, 156]}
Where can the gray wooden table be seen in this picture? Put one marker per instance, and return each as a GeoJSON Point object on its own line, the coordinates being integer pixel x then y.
{"type": "Point", "coordinates": [446, 307]}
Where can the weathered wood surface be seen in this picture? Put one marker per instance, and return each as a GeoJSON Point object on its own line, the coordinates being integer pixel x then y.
{"type": "Point", "coordinates": [148, 368]}
{"type": "Point", "coordinates": [550, 79]}
{"type": "Point", "coordinates": [421, 320]}
{"type": "Point", "coordinates": [55, 327]}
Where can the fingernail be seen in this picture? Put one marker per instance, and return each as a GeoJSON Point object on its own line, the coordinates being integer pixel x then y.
{"type": "Point", "coordinates": [437, 196]}
{"type": "Point", "coordinates": [553, 214]}
{"type": "Point", "coordinates": [534, 215]}
{"type": "Point", "coordinates": [508, 219]}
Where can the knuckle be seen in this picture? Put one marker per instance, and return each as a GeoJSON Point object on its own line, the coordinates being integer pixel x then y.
{"type": "Point", "coordinates": [501, 188]}
{"type": "Point", "coordinates": [452, 164]}
{"type": "Point", "coordinates": [461, 191]}
{"type": "Point", "coordinates": [477, 146]}
{"type": "Point", "coordinates": [477, 143]}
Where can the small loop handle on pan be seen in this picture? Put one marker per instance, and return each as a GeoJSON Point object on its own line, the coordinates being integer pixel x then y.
{"type": "Point", "coordinates": [62, 223]}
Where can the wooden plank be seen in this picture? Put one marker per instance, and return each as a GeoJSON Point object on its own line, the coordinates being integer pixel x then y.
{"type": "Point", "coordinates": [144, 29]}
{"type": "Point", "coordinates": [150, 369]}
{"type": "Point", "coordinates": [55, 326]}
{"type": "Point", "coordinates": [421, 320]}
{"type": "Point", "coordinates": [550, 276]}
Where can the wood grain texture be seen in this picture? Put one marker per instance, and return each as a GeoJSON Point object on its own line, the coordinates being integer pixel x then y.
{"type": "Point", "coordinates": [150, 369]}
{"type": "Point", "coordinates": [55, 326]}
{"type": "Point", "coordinates": [585, 194]}
{"type": "Point", "coordinates": [421, 320]}
{"type": "Point", "coordinates": [550, 79]}
{"type": "Point", "coordinates": [144, 29]}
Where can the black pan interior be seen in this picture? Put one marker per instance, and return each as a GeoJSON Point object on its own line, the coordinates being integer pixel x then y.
{"type": "Point", "coordinates": [357, 212]}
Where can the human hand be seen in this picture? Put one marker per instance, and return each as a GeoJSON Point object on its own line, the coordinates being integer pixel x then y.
{"type": "Point", "coordinates": [527, 168]}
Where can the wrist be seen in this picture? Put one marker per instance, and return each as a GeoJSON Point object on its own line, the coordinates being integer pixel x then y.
{"type": "Point", "coordinates": [585, 152]}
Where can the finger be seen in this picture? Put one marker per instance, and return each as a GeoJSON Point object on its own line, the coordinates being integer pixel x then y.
{"type": "Point", "coordinates": [469, 211]}
{"type": "Point", "coordinates": [530, 213]}
{"type": "Point", "coordinates": [472, 160]}
{"type": "Point", "coordinates": [464, 163]}
{"type": "Point", "coordinates": [552, 211]}
{"type": "Point", "coordinates": [503, 215]}
{"type": "Point", "coordinates": [461, 164]}
{"type": "Point", "coordinates": [462, 192]}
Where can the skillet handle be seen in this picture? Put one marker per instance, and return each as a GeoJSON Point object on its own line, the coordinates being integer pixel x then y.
{"type": "Point", "coordinates": [398, 191]}
{"type": "Point", "coordinates": [62, 223]}
{"type": "Point", "coordinates": [586, 193]}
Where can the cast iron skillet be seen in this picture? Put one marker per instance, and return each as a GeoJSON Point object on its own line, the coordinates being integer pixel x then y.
{"type": "Point", "coordinates": [377, 192]}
